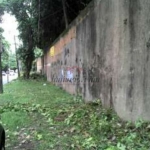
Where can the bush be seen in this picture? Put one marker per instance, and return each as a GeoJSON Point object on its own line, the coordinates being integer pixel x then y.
{"type": "Point", "coordinates": [36, 76]}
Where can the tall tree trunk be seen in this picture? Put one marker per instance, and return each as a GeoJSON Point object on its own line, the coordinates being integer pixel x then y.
{"type": "Point", "coordinates": [65, 13]}
{"type": "Point", "coordinates": [30, 56]}
{"type": "Point", "coordinates": [28, 66]}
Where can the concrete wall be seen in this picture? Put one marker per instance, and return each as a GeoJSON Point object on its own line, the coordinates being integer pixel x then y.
{"type": "Point", "coordinates": [109, 41]}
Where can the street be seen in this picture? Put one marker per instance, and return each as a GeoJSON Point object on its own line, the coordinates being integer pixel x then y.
{"type": "Point", "coordinates": [7, 78]}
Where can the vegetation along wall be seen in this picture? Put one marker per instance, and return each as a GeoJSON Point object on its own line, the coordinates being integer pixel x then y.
{"type": "Point", "coordinates": [104, 54]}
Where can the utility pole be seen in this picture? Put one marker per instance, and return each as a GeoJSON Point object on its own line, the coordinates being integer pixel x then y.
{"type": "Point", "coordinates": [1, 78]}
{"type": "Point", "coordinates": [17, 57]}
{"type": "Point", "coordinates": [65, 13]}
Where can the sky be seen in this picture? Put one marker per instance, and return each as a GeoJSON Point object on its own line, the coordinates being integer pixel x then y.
{"type": "Point", "coordinates": [9, 24]}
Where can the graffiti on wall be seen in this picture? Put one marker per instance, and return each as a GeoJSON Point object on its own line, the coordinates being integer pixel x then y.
{"type": "Point", "coordinates": [52, 51]}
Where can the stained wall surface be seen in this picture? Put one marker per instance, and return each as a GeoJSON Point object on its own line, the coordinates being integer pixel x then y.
{"type": "Point", "coordinates": [105, 55]}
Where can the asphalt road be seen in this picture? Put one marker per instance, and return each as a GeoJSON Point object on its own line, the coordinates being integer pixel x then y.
{"type": "Point", "coordinates": [8, 78]}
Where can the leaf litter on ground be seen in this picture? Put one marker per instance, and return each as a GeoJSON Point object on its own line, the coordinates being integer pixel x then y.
{"type": "Point", "coordinates": [47, 118]}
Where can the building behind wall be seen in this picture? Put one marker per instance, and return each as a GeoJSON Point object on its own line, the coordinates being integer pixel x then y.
{"type": "Point", "coordinates": [39, 64]}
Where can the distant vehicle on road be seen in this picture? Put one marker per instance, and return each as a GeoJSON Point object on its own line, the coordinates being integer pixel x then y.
{"type": "Point", "coordinates": [11, 72]}
{"type": "Point", "coordinates": [3, 73]}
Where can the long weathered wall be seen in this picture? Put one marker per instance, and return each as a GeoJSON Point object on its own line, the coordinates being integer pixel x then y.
{"type": "Point", "coordinates": [105, 54]}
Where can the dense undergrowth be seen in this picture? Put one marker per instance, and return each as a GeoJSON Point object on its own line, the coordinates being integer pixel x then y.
{"type": "Point", "coordinates": [40, 116]}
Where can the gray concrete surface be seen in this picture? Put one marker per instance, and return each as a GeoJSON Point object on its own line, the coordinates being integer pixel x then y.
{"type": "Point", "coordinates": [112, 43]}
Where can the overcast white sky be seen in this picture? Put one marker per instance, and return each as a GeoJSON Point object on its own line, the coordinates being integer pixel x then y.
{"type": "Point", "coordinates": [9, 25]}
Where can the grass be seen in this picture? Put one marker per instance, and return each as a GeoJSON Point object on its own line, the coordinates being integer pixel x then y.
{"type": "Point", "coordinates": [40, 116]}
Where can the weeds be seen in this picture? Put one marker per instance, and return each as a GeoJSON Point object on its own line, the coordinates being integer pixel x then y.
{"type": "Point", "coordinates": [40, 116]}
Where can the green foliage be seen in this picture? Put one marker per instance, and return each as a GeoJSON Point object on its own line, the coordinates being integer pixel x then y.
{"type": "Point", "coordinates": [23, 11]}
{"type": "Point", "coordinates": [1, 31]}
{"type": "Point", "coordinates": [5, 54]}
{"type": "Point", "coordinates": [53, 119]}
{"type": "Point", "coordinates": [8, 58]}
{"type": "Point", "coordinates": [40, 23]}
{"type": "Point", "coordinates": [2, 8]}
{"type": "Point", "coordinates": [37, 76]}
{"type": "Point", "coordinates": [52, 22]}
{"type": "Point", "coordinates": [38, 52]}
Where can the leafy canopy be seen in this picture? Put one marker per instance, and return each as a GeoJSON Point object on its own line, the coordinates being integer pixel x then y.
{"type": "Point", "coordinates": [40, 23]}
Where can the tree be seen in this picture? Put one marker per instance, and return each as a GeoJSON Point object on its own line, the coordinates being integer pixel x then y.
{"type": "Point", "coordinates": [38, 52]}
{"type": "Point", "coordinates": [41, 22]}
{"type": "Point", "coordinates": [5, 54]}
{"type": "Point", "coordinates": [7, 57]}
{"type": "Point", "coordinates": [22, 9]}
{"type": "Point", "coordinates": [54, 18]}
{"type": "Point", "coordinates": [65, 13]}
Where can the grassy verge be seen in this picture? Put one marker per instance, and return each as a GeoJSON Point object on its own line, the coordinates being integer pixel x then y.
{"type": "Point", "coordinates": [39, 116]}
